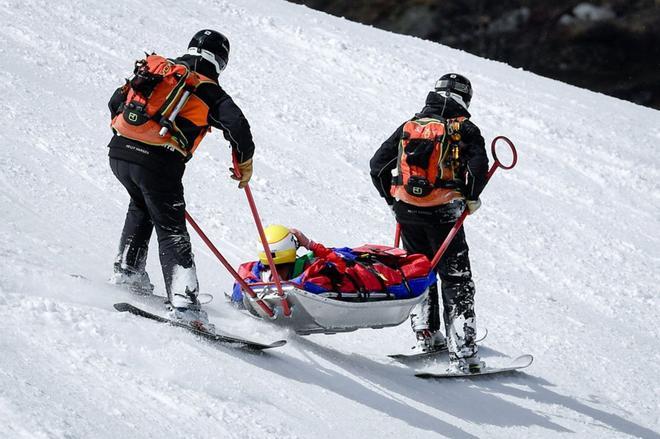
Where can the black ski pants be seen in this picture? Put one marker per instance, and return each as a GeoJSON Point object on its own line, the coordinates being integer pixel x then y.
{"type": "Point", "coordinates": [453, 269]}
{"type": "Point", "coordinates": [156, 202]}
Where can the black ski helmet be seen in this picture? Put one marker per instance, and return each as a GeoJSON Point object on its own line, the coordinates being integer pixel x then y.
{"type": "Point", "coordinates": [455, 84]}
{"type": "Point", "coordinates": [212, 46]}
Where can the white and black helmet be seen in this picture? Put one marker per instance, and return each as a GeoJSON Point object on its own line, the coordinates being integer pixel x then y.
{"type": "Point", "coordinates": [455, 86]}
{"type": "Point", "coordinates": [211, 46]}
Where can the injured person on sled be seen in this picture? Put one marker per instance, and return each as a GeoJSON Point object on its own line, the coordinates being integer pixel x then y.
{"type": "Point", "coordinates": [361, 274]}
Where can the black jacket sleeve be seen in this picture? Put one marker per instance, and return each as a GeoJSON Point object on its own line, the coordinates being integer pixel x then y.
{"type": "Point", "coordinates": [225, 115]}
{"type": "Point", "coordinates": [476, 159]}
{"type": "Point", "coordinates": [117, 98]}
{"type": "Point", "coordinates": [383, 163]}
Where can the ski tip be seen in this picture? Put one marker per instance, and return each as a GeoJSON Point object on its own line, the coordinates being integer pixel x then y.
{"type": "Point", "coordinates": [122, 307]}
{"type": "Point", "coordinates": [205, 298]}
{"type": "Point", "coordinates": [484, 335]}
{"type": "Point", "coordinates": [257, 346]}
{"type": "Point", "coordinates": [524, 361]}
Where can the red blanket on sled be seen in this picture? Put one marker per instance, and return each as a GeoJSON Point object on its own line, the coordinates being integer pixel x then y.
{"type": "Point", "coordinates": [369, 268]}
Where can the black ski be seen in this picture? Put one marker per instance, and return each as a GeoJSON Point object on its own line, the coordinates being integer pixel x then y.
{"type": "Point", "coordinates": [409, 358]}
{"type": "Point", "coordinates": [217, 337]}
{"type": "Point", "coordinates": [521, 362]}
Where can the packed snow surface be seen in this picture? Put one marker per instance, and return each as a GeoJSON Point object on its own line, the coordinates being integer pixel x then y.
{"type": "Point", "coordinates": [565, 249]}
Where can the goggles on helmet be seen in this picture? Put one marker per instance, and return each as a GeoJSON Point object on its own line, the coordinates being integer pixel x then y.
{"type": "Point", "coordinates": [452, 85]}
{"type": "Point", "coordinates": [209, 56]}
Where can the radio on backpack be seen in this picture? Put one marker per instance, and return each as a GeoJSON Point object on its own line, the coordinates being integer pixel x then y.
{"type": "Point", "coordinates": [429, 166]}
{"type": "Point", "coordinates": [160, 91]}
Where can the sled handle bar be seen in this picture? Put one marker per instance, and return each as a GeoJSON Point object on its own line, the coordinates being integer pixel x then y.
{"type": "Point", "coordinates": [257, 221]}
{"type": "Point", "coordinates": [459, 223]}
{"type": "Point", "coordinates": [498, 163]}
{"type": "Point", "coordinates": [228, 266]}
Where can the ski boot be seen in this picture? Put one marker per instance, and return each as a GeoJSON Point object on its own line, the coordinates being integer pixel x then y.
{"type": "Point", "coordinates": [428, 341]}
{"type": "Point", "coordinates": [137, 282]}
{"type": "Point", "coordinates": [187, 310]}
{"type": "Point", "coordinates": [466, 365]}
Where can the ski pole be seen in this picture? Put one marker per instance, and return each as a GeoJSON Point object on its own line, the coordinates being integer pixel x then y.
{"type": "Point", "coordinates": [459, 223]}
{"type": "Point", "coordinates": [257, 221]}
{"type": "Point", "coordinates": [174, 113]}
{"type": "Point", "coordinates": [228, 266]}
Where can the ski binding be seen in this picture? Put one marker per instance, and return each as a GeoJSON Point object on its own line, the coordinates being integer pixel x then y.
{"type": "Point", "coordinates": [409, 358]}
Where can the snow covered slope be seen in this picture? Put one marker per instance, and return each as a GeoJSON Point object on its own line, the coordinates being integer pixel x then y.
{"type": "Point", "coordinates": [565, 249]}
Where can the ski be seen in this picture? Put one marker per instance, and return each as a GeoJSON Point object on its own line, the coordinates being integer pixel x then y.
{"type": "Point", "coordinates": [408, 358]}
{"type": "Point", "coordinates": [217, 337]}
{"type": "Point", "coordinates": [521, 362]}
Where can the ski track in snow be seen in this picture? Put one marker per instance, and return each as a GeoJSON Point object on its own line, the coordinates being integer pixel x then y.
{"type": "Point", "coordinates": [565, 249]}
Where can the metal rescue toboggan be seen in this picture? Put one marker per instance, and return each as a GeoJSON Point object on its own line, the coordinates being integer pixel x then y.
{"type": "Point", "coordinates": [287, 304]}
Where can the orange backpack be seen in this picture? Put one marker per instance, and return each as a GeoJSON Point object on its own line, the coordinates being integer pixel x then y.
{"type": "Point", "coordinates": [158, 93]}
{"type": "Point", "coordinates": [429, 169]}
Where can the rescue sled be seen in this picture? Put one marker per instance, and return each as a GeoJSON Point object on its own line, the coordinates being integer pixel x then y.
{"type": "Point", "coordinates": [292, 305]}
{"type": "Point", "coordinates": [341, 290]}
{"type": "Point", "coordinates": [316, 314]}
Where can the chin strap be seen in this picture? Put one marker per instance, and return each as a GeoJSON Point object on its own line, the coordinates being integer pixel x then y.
{"type": "Point", "coordinates": [208, 56]}
{"type": "Point", "coordinates": [456, 98]}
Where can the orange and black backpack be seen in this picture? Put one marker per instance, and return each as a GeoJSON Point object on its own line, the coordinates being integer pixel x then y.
{"type": "Point", "coordinates": [159, 94]}
{"type": "Point", "coordinates": [430, 172]}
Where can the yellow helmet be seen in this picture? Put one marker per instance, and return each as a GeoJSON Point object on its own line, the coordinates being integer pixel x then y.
{"type": "Point", "coordinates": [282, 245]}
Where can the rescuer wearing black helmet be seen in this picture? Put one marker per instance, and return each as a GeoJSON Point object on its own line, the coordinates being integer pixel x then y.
{"type": "Point", "coordinates": [152, 171]}
{"type": "Point", "coordinates": [441, 167]}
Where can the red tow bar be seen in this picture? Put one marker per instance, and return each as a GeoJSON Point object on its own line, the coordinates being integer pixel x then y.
{"type": "Point", "coordinates": [257, 221]}
{"type": "Point", "coordinates": [228, 266]}
{"type": "Point", "coordinates": [452, 233]}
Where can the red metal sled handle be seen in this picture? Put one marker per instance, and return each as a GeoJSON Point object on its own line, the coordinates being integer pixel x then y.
{"type": "Point", "coordinates": [493, 149]}
{"type": "Point", "coordinates": [257, 221]}
{"type": "Point", "coordinates": [459, 223]}
{"type": "Point", "coordinates": [228, 266]}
